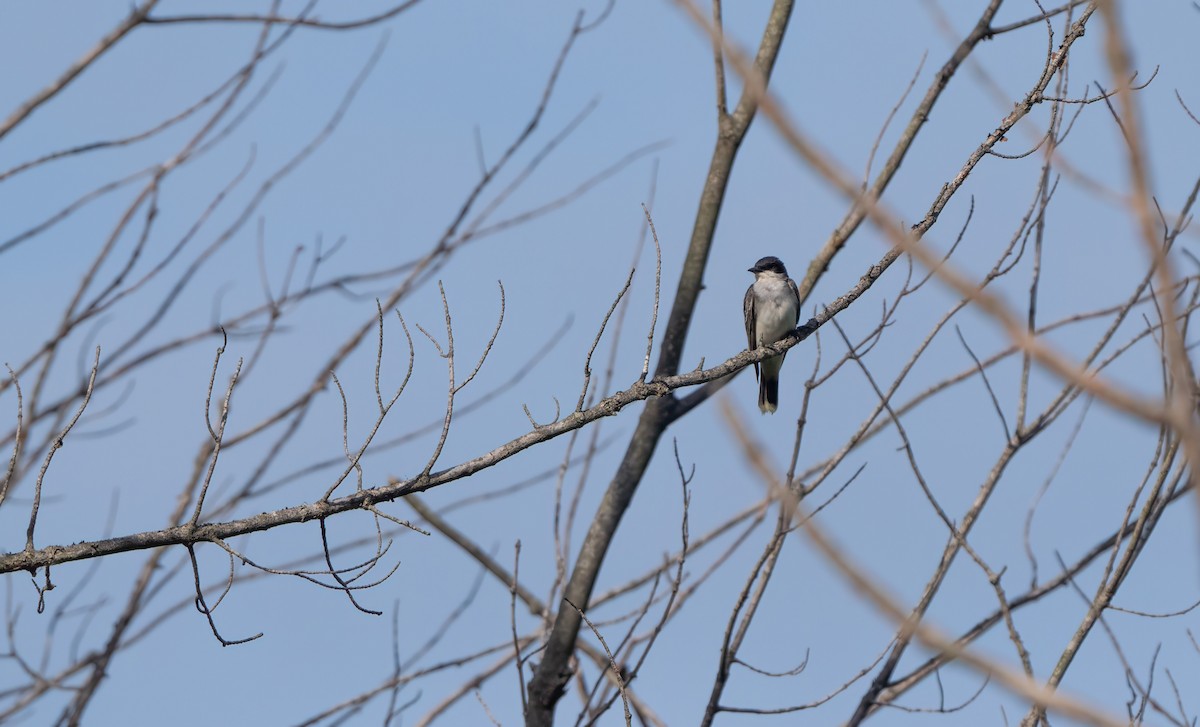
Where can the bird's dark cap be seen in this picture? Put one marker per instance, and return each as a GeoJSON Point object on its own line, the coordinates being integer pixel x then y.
{"type": "Point", "coordinates": [769, 263]}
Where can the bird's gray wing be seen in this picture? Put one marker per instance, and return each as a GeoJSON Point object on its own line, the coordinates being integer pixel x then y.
{"type": "Point", "coordinates": [796, 293]}
{"type": "Point", "coordinates": [748, 314]}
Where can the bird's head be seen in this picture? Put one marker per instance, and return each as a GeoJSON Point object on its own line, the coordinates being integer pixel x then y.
{"type": "Point", "coordinates": [769, 264]}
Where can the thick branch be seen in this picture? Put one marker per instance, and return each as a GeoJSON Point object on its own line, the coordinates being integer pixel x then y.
{"type": "Point", "coordinates": [553, 672]}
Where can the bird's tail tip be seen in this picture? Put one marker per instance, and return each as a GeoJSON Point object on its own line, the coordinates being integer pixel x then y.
{"type": "Point", "coordinates": [768, 395]}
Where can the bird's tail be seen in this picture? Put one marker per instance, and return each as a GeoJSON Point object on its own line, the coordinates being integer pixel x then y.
{"type": "Point", "coordinates": [768, 393]}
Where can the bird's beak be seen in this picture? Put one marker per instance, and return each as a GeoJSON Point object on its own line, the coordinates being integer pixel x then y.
{"type": "Point", "coordinates": [752, 270]}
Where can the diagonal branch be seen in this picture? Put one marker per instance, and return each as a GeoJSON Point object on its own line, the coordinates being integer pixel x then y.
{"type": "Point", "coordinates": [548, 683]}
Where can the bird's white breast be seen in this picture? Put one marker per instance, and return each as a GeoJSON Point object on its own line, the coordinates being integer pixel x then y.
{"type": "Point", "coordinates": [774, 308]}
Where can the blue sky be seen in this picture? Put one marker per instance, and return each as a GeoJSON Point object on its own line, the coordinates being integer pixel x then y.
{"type": "Point", "coordinates": [390, 179]}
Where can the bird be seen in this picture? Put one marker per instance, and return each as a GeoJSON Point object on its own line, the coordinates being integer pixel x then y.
{"type": "Point", "coordinates": [772, 310]}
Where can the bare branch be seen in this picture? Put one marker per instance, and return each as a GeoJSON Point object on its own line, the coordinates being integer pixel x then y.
{"type": "Point", "coordinates": [57, 444]}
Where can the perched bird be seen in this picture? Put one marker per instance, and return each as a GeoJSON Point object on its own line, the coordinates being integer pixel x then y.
{"type": "Point", "coordinates": [772, 310]}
